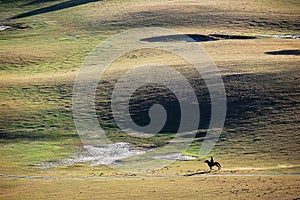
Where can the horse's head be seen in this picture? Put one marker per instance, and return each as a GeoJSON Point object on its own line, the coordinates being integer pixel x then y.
{"type": "Point", "coordinates": [207, 161]}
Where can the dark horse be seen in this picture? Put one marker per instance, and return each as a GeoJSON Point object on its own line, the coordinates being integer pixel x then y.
{"type": "Point", "coordinates": [212, 163]}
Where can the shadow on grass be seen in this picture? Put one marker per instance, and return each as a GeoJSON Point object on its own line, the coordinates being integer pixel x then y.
{"type": "Point", "coordinates": [148, 95]}
{"type": "Point", "coordinates": [197, 173]}
{"type": "Point", "coordinates": [60, 6]}
{"type": "Point", "coordinates": [247, 102]}
{"type": "Point", "coordinates": [285, 52]}
{"type": "Point", "coordinates": [180, 37]}
{"type": "Point", "coordinates": [195, 38]}
{"type": "Point", "coordinates": [232, 37]}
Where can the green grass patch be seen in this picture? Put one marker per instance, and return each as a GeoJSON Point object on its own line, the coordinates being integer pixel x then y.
{"type": "Point", "coordinates": [32, 153]}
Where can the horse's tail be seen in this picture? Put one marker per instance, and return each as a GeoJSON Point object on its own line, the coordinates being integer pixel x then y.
{"type": "Point", "coordinates": [218, 165]}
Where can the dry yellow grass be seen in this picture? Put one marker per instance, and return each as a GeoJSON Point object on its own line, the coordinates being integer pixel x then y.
{"type": "Point", "coordinates": [201, 187]}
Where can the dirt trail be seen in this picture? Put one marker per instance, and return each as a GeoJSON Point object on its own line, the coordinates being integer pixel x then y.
{"type": "Point", "coordinates": [139, 177]}
{"type": "Point", "coordinates": [226, 172]}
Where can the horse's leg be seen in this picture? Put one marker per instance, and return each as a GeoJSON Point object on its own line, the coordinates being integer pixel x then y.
{"type": "Point", "coordinates": [210, 167]}
{"type": "Point", "coordinates": [218, 165]}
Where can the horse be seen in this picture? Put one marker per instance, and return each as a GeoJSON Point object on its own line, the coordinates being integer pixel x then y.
{"type": "Point", "coordinates": [212, 163]}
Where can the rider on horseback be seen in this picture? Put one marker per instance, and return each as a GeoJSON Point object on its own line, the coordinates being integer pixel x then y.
{"type": "Point", "coordinates": [212, 163]}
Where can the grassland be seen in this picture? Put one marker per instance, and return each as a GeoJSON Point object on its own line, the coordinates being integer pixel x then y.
{"type": "Point", "coordinates": [41, 56]}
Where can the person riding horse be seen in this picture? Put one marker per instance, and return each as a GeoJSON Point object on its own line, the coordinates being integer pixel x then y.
{"type": "Point", "coordinates": [212, 163]}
